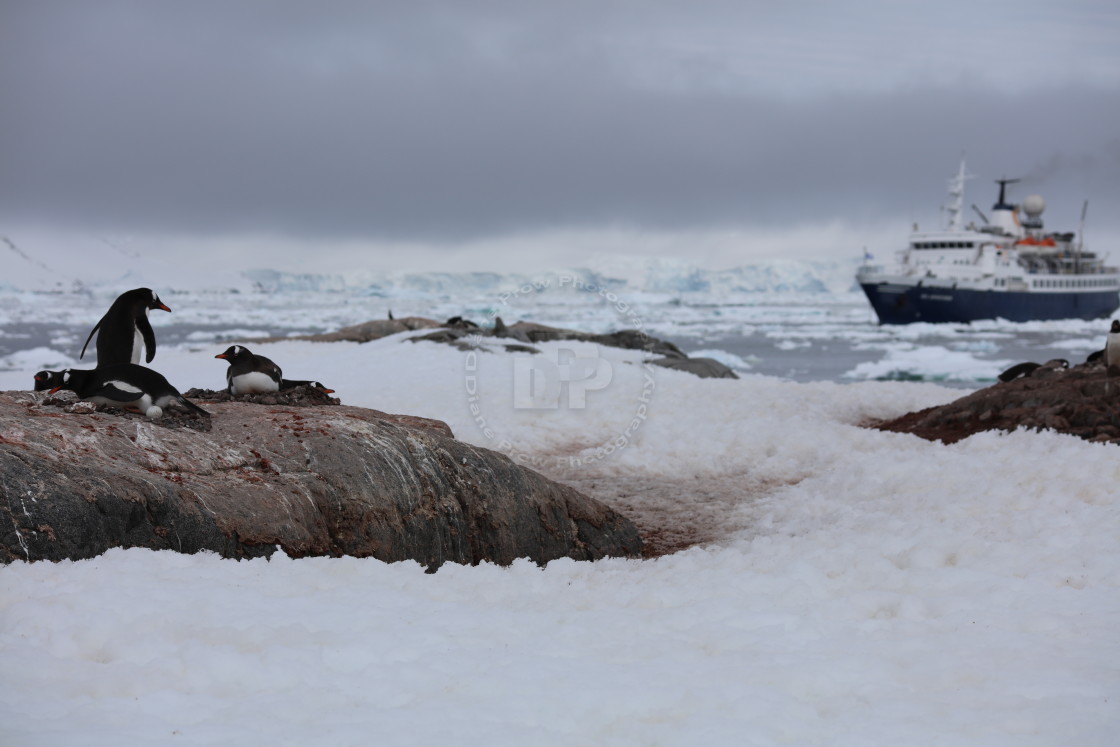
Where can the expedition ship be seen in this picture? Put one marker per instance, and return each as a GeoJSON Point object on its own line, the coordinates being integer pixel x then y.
{"type": "Point", "coordinates": [1009, 268]}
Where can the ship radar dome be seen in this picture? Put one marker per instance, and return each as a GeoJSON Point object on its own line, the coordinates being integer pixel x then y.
{"type": "Point", "coordinates": [1033, 205]}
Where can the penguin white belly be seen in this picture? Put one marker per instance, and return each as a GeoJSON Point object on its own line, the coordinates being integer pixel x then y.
{"type": "Point", "coordinates": [143, 405]}
{"type": "Point", "coordinates": [1112, 349]}
{"type": "Point", "coordinates": [137, 344]}
{"type": "Point", "coordinates": [253, 382]}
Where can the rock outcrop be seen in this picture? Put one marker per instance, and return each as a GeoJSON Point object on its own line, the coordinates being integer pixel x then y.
{"type": "Point", "coordinates": [316, 480]}
{"type": "Point", "coordinates": [460, 332]}
{"type": "Point", "coordinates": [1082, 401]}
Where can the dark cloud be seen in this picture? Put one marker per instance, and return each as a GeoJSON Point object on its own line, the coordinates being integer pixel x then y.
{"type": "Point", "coordinates": [426, 122]}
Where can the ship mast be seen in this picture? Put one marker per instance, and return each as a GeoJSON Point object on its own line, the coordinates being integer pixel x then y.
{"type": "Point", "coordinates": [956, 195]}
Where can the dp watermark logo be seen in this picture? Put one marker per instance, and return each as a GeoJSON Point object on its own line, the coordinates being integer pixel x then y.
{"type": "Point", "coordinates": [559, 377]}
{"type": "Point", "coordinates": [564, 378]}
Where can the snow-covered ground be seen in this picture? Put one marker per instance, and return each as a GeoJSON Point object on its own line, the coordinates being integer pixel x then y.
{"type": "Point", "coordinates": [857, 587]}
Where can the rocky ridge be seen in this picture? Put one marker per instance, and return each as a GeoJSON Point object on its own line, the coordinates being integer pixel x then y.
{"type": "Point", "coordinates": [1083, 401]}
{"type": "Point", "coordinates": [306, 479]}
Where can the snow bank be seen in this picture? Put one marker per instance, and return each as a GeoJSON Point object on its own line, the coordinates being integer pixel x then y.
{"type": "Point", "coordinates": [863, 588]}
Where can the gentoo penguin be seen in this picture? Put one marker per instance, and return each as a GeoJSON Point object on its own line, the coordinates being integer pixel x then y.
{"type": "Point", "coordinates": [1050, 368]}
{"type": "Point", "coordinates": [248, 373]}
{"type": "Point", "coordinates": [45, 380]}
{"type": "Point", "coordinates": [293, 383]}
{"type": "Point", "coordinates": [127, 386]}
{"type": "Point", "coordinates": [1018, 371]}
{"type": "Point", "coordinates": [125, 328]}
{"type": "Point", "coordinates": [1112, 349]}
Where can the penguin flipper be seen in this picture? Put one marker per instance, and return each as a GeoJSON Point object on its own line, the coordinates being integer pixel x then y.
{"type": "Point", "coordinates": [92, 332]}
{"type": "Point", "coordinates": [111, 390]}
{"type": "Point", "coordinates": [145, 328]}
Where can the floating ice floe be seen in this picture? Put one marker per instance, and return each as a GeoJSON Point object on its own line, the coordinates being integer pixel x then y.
{"type": "Point", "coordinates": [929, 363]}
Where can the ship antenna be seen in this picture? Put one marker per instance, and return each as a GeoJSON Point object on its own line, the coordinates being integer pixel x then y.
{"type": "Point", "coordinates": [1081, 231]}
{"type": "Point", "coordinates": [956, 194]}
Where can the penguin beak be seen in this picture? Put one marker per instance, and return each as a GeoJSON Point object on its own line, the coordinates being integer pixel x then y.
{"type": "Point", "coordinates": [328, 391]}
{"type": "Point", "coordinates": [163, 306]}
{"type": "Point", "coordinates": [54, 390]}
{"type": "Point", "coordinates": [220, 355]}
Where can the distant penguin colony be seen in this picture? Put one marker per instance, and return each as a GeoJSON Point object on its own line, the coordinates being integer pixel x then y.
{"type": "Point", "coordinates": [249, 373]}
{"type": "Point", "coordinates": [125, 328]}
{"type": "Point", "coordinates": [118, 380]}
{"type": "Point", "coordinates": [124, 385]}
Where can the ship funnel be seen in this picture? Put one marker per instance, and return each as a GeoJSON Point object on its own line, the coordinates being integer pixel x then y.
{"type": "Point", "coordinates": [1005, 216]}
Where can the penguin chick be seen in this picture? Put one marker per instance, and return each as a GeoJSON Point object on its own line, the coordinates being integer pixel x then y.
{"type": "Point", "coordinates": [249, 373]}
{"type": "Point", "coordinates": [127, 386]}
{"type": "Point", "coordinates": [125, 329]}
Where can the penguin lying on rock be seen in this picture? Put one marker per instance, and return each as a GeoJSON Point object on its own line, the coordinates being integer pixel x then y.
{"type": "Point", "coordinates": [1024, 370]}
{"type": "Point", "coordinates": [125, 329]}
{"type": "Point", "coordinates": [124, 385]}
{"type": "Point", "coordinates": [249, 373]}
{"type": "Point", "coordinates": [293, 383]}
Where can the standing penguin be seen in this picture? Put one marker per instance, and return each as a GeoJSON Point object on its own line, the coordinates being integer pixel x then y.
{"type": "Point", "coordinates": [124, 385]}
{"type": "Point", "coordinates": [125, 328]}
{"type": "Point", "coordinates": [249, 373]}
{"type": "Point", "coordinates": [1112, 349]}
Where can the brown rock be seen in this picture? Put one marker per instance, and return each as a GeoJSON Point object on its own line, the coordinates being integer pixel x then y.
{"type": "Point", "coordinates": [1082, 401]}
{"type": "Point", "coordinates": [331, 480]}
{"type": "Point", "coordinates": [374, 329]}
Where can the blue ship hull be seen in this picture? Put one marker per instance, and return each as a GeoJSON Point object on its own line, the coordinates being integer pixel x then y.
{"type": "Point", "coordinates": [904, 304]}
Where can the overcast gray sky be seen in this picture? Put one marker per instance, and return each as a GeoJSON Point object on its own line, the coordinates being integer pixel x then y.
{"type": "Point", "coordinates": [488, 134]}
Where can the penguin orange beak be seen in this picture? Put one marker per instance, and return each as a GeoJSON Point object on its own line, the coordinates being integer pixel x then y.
{"type": "Point", "coordinates": [54, 390]}
{"type": "Point", "coordinates": [328, 391]}
{"type": "Point", "coordinates": [163, 306]}
{"type": "Point", "coordinates": [220, 355]}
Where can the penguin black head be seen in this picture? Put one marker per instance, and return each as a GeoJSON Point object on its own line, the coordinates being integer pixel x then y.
{"type": "Point", "coordinates": [145, 298]}
{"type": "Point", "coordinates": [233, 352]}
{"type": "Point", "coordinates": [71, 378]}
{"type": "Point", "coordinates": [1115, 326]}
{"type": "Point", "coordinates": [45, 380]}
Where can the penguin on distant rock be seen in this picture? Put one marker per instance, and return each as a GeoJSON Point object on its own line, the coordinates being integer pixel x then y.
{"type": "Point", "coordinates": [249, 373]}
{"type": "Point", "coordinates": [1018, 371]}
{"type": "Point", "coordinates": [125, 329]}
{"type": "Point", "coordinates": [1112, 349]}
{"type": "Point", "coordinates": [124, 385]}
{"type": "Point", "coordinates": [1050, 368]}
